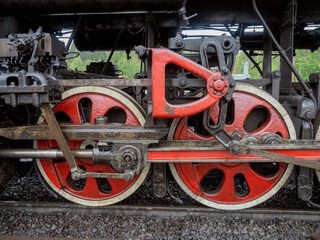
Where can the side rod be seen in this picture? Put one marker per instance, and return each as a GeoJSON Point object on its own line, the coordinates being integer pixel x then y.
{"type": "Point", "coordinates": [195, 151]}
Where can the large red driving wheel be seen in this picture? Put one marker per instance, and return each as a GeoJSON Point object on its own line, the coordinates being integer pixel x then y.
{"type": "Point", "coordinates": [82, 105]}
{"type": "Point", "coordinates": [235, 185]}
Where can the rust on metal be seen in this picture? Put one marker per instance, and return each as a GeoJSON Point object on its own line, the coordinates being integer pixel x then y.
{"type": "Point", "coordinates": [102, 82]}
{"type": "Point", "coordinates": [77, 131]}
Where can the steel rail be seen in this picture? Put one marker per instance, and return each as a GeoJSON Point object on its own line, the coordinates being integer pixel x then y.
{"type": "Point", "coordinates": [161, 211]}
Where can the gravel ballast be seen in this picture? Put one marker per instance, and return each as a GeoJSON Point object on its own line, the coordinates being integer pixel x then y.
{"type": "Point", "coordinates": [26, 186]}
{"type": "Point", "coordinates": [65, 224]}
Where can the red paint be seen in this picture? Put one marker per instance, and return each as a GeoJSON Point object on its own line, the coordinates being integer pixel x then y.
{"type": "Point", "coordinates": [218, 85]}
{"type": "Point", "coordinates": [59, 172]}
{"type": "Point", "coordinates": [192, 173]}
{"type": "Point", "coordinates": [160, 107]}
{"type": "Point", "coordinates": [176, 156]}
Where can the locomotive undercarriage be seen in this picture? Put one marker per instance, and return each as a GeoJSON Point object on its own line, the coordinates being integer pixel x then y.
{"type": "Point", "coordinates": [230, 144]}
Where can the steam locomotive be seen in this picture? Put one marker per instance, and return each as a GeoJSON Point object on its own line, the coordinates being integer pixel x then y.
{"type": "Point", "coordinates": [95, 136]}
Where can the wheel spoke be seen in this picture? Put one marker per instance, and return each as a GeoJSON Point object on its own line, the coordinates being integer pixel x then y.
{"type": "Point", "coordinates": [242, 111]}
{"type": "Point", "coordinates": [257, 183]}
{"type": "Point", "coordinates": [272, 125]}
{"type": "Point", "coordinates": [190, 177]}
{"type": "Point", "coordinates": [227, 192]}
{"type": "Point", "coordinates": [185, 133]}
{"type": "Point", "coordinates": [99, 108]}
{"type": "Point", "coordinates": [70, 108]}
{"type": "Point", "coordinates": [91, 189]}
{"type": "Point", "coordinates": [202, 169]}
{"type": "Point", "coordinates": [63, 171]}
{"type": "Point", "coordinates": [119, 185]}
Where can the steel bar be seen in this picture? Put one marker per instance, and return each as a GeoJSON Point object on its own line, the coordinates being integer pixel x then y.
{"type": "Point", "coordinates": [84, 131]}
{"type": "Point", "coordinates": [75, 30]}
{"type": "Point", "coordinates": [283, 158]}
{"type": "Point", "coordinates": [105, 67]}
{"type": "Point", "coordinates": [44, 153]}
{"type": "Point", "coordinates": [103, 82]}
{"type": "Point", "coordinates": [198, 151]}
{"type": "Point", "coordinates": [58, 136]}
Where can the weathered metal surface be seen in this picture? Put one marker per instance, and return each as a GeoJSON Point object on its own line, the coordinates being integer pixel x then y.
{"type": "Point", "coordinates": [57, 6]}
{"type": "Point", "coordinates": [287, 43]}
{"type": "Point", "coordinates": [304, 183]}
{"type": "Point", "coordinates": [44, 153]}
{"type": "Point", "coordinates": [59, 137]}
{"type": "Point", "coordinates": [222, 12]}
{"type": "Point", "coordinates": [75, 131]}
{"type": "Point", "coordinates": [159, 179]}
{"type": "Point", "coordinates": [191, 151]}
{"type": "Point", "coordinates": [117, 82]}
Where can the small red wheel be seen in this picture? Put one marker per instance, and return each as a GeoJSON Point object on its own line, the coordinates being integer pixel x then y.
{"type": "Point", "coordinates": [82, 105]}
{"type": "Point", "coordinates": [235, 185]}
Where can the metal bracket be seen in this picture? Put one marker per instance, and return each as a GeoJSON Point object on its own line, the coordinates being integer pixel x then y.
{"type": "Point", "coordinates": [304, 183]}
{"type": "Point", "coordinates": [217, 85]}
{"type": "Point", "coordinates": [159, 179]}
{"type": "Point", "coordinates": [127, 176]}
{"type": "Point", "coordinates": [26, 88]}
{"type": "Point", "coordinates": [218, 131]}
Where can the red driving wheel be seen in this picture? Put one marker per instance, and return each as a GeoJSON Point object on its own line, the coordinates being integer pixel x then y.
{"type": "Point", "coordinates": [78, 107]}
{"type": "Point", "coordinates": [236, 185]}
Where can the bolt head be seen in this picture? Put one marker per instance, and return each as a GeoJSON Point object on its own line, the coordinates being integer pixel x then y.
{"type": "Point", "coordinates": [226, 98]}
{"type": "Point", "coordinates": [179, 43]}
{"type": "Point", "coordinates": [218, 85]}
{"type": "Point", "coordinates": [309, 115]}
{"type": "Point", "coordinates": [75, 176]}
{"type": "Point", "coordinates": [182, 82]}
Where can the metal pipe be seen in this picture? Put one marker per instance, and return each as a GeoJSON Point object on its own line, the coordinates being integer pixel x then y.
{"type": "Point", "coordinates": [75, 30]}
{"type": "Point", "coordinates": [105, 66]}
{"type": "Point", "coordinates": [34, 7]}
{"type": "Point", "coordinates": [44, 153]}
{"type": "Point", "coordinates": [283, 54]}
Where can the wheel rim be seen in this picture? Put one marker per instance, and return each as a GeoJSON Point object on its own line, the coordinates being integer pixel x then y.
{"type": "Point", "coordinates": [317, 137]}
{"type": "Point", "coordinates": [83, 104]}
{"type": "Point", "coordinates": [236, 185]}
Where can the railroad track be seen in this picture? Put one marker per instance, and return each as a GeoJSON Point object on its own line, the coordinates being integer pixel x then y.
{"type": "Point", "coordinates": [162, 211]}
